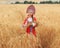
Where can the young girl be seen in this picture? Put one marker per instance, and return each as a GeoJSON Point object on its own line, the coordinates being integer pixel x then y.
{"type": "Point", "coordinates": [30, 21]}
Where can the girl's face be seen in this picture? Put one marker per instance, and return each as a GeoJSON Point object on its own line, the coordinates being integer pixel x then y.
{"type": "Point", "coordinates": [30, 14]}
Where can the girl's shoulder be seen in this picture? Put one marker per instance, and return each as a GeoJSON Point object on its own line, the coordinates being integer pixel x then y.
{"type": "Point", "coordinates": [34, 18]}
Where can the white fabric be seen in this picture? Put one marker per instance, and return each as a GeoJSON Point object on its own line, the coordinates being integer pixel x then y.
{"type": "Point", "coordinates": [33, 24]}
{"type": "Point", "coordinates": [29, 19]}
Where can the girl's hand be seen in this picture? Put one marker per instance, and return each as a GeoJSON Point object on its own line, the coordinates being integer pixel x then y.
{"type": "Point", "coordinates": [29, 24]}
{"type": "Point", "coordinates": [35, 24]}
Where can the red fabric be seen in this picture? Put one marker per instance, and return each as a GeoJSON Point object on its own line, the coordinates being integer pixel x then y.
{"type": "Point", "coordinates": [28, 28]}
{"type": "Point", "coordinates": [33, 30]}
{"type": "Point", "coordinates": [25, 20]}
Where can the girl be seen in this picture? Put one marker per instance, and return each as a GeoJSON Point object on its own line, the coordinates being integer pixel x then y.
{"type": "Point", "coordinates": [30, 21]}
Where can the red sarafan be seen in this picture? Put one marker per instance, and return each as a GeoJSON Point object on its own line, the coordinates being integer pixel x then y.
{"type": "Point", "coordinates": [31, 7]}
{"type": "Point", "coordinates": [30, 21]}
{"type": "Point", "coordinates": [28, 28]}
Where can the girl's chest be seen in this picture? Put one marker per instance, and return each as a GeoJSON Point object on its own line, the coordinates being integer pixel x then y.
{"type": "Point", "coordinates": [30, 20]}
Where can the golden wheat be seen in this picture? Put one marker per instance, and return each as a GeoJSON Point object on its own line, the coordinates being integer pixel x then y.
{"type": "Point", "coordinates": [13, 36]}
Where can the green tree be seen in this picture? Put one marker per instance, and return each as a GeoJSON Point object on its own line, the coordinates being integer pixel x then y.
{"type": "Point", "coordinates": [46, 2]}
{"type": "Point", "coordinates": [25, 2]}
{"type": "Point", "coordinates": [30, 2]}
{"type": "Point", "coordinates": [17, 2]}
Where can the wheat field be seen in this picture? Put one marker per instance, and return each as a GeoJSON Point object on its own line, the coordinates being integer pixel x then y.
{"type": "Point", "coordinates": [12, 35]}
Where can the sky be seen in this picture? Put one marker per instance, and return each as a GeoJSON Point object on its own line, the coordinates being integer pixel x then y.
{"type": "Point", "coordinates": [9, 1]}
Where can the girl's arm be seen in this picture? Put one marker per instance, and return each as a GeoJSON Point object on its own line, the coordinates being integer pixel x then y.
{"type": "Point", "coordinates": [35, 24]}
{"type": "Point", "coordinates": [25, 23]}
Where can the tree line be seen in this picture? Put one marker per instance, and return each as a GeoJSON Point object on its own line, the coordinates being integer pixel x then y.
{"type": "Point", "coordinates": [41, 2]}
{"type": "Point", "coordinates": [25, 2]}
{"type": "Point", "coordinates": [49, 2]}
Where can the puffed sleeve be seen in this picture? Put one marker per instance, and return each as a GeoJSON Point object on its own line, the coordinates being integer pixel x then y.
{"type": "Point", "coordinates": [25, 22]}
